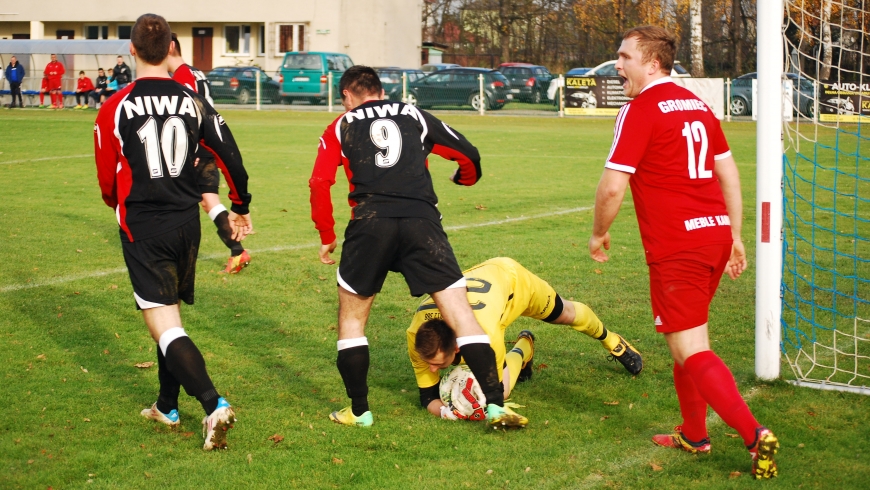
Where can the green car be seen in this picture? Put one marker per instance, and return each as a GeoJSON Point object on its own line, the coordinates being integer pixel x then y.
{"type": "Point", "coordinates": [304, 75]}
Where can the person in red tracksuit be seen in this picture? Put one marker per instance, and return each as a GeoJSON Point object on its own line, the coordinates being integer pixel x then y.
{"type": "Point", "coordinates": [53, 72]}
{"type": "Point", "coordinates": [83, 89]}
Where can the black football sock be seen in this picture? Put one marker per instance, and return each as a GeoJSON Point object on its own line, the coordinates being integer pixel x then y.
{"type": "Point", "coordinates": [167, 400]}
{"type": "Point", "coordinates": [225, 231]}
{"type": "Point", "coordinates": [480, 358]}
{"type": "Point", "coordinates": [353, 365]}
{"type": "Point", "coordinates": [186, 364]}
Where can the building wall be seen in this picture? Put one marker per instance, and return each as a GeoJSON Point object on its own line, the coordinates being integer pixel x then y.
{"type": "Point", "coordinates": [371, 32]}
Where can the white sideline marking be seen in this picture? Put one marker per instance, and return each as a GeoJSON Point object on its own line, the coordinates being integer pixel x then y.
{"type": "Point", "coordinates": [77, 277]}
{"type": "Point", "coordinates": [10, 162]}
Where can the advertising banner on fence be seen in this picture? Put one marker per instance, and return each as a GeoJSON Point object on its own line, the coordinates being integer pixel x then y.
{"type": "Point", "coordinates": [844, 102]}
{"type": "Point", "coordinates": [603, 96]}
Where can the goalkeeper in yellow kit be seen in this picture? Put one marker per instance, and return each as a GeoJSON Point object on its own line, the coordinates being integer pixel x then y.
{"type": "Point", "coordinates": [500, 290]}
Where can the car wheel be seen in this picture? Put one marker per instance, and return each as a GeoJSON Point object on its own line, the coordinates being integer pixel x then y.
{"type": "Point", "coordinates": [245, 96]}
{"type": "Point", "coordinates": [739, 107]}
{"type": "Point", "coordinates": [475, 100]}
{"type": "Point", "coordinates": [536, 97]}
{"type": "Point", "coordinates": [411, 99]}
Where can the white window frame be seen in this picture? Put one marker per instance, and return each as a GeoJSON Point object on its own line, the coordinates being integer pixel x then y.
{"type": "Point", "coordinates": [296, 40]}
{"type": "Point", "coordinates": [100, 29]}
{"type": "Point", "coordinates": [261, 40]}
{"type": "Point", "coordinates": [241, 40]}
{"type": "Point", "coordinates": [118, 29]}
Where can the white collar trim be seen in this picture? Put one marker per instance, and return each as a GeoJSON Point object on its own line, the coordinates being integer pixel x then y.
{"type": "Point", "coordinates": [655, 82]}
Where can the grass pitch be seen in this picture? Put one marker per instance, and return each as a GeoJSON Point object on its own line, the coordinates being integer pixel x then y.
{"type": "Point", "coordinates": [71, 335]}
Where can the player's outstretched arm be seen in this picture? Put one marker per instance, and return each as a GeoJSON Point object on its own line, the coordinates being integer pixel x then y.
{"type": "Point", "coordinates": [729, 181]}
{"type": "Point", "coordinates": [608, 199]}
{"type": "Point", "coordinates": [451, 144]}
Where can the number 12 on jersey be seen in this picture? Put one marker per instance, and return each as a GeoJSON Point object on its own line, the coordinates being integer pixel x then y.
{"type": "Point", "coordinates": [697, 133]}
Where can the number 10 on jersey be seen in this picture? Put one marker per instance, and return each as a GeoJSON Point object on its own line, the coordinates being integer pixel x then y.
{"type": "Point", "coordinates": [173, 142]}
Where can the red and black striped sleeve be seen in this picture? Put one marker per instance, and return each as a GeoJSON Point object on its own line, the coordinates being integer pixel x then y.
{"type": "Point", "coordinates": [451, 144]}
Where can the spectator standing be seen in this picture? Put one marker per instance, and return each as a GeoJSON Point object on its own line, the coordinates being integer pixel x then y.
{"type": "Point", "coordinates": [54, 71]}
{"type": "Point", "coordinates": [121, 74]}
{"type": "Point", "coordinates": [83, 89]}
{"type": "Point", "coordinates": [15, 75]}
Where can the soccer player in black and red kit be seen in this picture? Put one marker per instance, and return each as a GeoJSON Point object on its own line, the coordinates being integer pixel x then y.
{"type": "Point", "coordinates": [229, 225]}
{"type": "Point", "coordinates": [395, 226]}
{"type": "Point", "coordinates": [145, 138]}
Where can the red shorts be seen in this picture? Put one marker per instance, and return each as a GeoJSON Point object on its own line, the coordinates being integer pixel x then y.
{"type": "Point", "coordinates": [44, 87]}
{"type": "Point", "coordinates": [682, 286]}
{"type": "Point", "coordinates": [51, 83]}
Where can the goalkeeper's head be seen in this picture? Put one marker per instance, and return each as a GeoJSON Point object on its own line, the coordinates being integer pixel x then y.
{"type": "Point", "coordinates": [435, 342]}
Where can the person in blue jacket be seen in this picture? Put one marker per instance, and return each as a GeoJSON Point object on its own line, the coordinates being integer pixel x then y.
{"type": "Point", "coordinates": [15, 75]}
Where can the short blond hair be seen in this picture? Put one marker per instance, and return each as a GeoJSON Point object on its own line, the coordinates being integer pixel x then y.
{"type": "Point", "coordinates": [655, 43]}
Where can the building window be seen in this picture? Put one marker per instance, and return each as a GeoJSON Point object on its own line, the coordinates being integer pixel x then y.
{"type": "Point", "coordinates": [290, 37]}
{"type": "Point", "coordinates": [261, 41]}
{"type": "Point", "coordinates": [238, 39]}
{"type": "Point", "coordinates": [96, 32]}
{"type": "Point", "coordinates": [124, 32]}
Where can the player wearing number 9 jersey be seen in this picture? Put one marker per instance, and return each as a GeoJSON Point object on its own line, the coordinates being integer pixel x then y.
{"type": "Point", "coordinates": [668, 145]}
{"type": "Point", "coordinates": [395, 226]}
{"type": "Point", "coordinates": [145, 138]}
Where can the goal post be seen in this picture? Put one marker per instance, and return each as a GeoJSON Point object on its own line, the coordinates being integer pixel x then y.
{"type": "Point", "coordinates": [769, 197]}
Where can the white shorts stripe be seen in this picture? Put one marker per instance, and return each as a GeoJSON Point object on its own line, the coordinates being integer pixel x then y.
{"type": "Point", "coordinates": [145, 305]}
{"type": "Point", "coordinates": [342, 283]}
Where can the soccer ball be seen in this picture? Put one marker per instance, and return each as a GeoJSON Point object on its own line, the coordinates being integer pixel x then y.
{"type": "Point", "coordinates": [461, 392]}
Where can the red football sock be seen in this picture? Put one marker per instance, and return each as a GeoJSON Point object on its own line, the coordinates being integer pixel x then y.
{"type": "Point", "coordinates": [54, 99]}
{"type": "Point", "coordinates": [42, 98]}
{"type": "Point", "coordinates": [716, 384]}
{"type": "Point", "coordinates": [692, 406]}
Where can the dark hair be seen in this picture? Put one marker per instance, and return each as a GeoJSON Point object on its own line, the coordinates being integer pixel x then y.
{"type": "Point", "coordinates": [151, 37]}
{"type": "Point", "coordinates": [655, 43]}
{"type": "Point", "coordinates": [81, 73]}
{"type": "Point", "coordinates": [177, 46]}
{"type": "Point", "coordinates": [433, 336]}
{"type": "Point", "coordinates": [100, 69]}
{"type": "Point", "coordinates": [360, 80]}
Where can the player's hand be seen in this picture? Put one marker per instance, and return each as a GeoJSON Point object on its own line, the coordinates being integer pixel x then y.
{"type": "Point", "coordinates": [325, 250]}
{"type": "Point", "coordinates": [737, 262]}
{"type": "Point", "coordinates": [447, 413]}
{"type": "Point", "coordinates": [241, 225]}
{"type": "Point", "coordinates": [454, 176]}
{"type": "Point", "coordinates": [595, 244]}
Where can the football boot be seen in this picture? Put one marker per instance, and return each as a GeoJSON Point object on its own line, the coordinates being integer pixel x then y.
{"type": "Point", "coordinates": [766, 445]}
{"type": "Point", "coordinates": [676, 440]}
{"type": "Point", "coordinates": [345, 416]}
{"type": "Point", "coordinates": [237, 263]}
{"type": "Point", "coordinates": [171, 419]}
{"type": "Point", "coordinates": [503, 417]}
{"type": "Point", "coordinates": [216, 425]}
{"type": "Point", "coordinates": [627, 355]}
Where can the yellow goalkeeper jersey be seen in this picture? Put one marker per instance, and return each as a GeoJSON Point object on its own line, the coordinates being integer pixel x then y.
{"type": "Point", "coordinates": [499, 291]}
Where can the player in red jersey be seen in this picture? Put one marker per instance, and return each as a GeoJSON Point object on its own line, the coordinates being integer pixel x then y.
{"type": "Point", "coordinates": [395, 226]}
{"type": "Point", "coordinates": [209, 167]}
{"type": "Point", "coordinates": [53, 72]}
{"type": "Point", "coordinates": [145, 139]}
{"type": "Point", "coordinates": [670, 148]}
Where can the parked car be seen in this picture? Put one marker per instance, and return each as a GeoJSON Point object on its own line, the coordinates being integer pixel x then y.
{"type": "Point", "coordinates": [528, 82]}
{"type": "Point", "coordinates": [240, 83]}
{"type": "Point", "coordinates": [460, 86]}
{"type": "Point", "coordinates": [555, 83]}
{"type": "Point", "coordinates": [391, 79]}
{"type": "Point", "coordinates": [304, 75]}
{"type": "Point", "coordinates": [433, 67]}
{"type": "Point", "coordinates": [576, 72]}
{"type": "Point", "coordinates": [803, 94]}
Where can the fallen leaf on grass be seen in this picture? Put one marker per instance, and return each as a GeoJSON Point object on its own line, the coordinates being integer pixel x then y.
{"type": "Point", "coordinates": [542, 366]}
{"type": "Point", "coordinates": [605, 418]}
{"type": "Point", "coordinates": [144, 365]}
{"type": "Point", "coordinates": [480, 207]}
{"type": "Point", "coordinates": [29, 461]}
{"type": "Point", "coordinates": [276, 438]}
{"type": "Point", "coordinates": [732, 436]}
{"type": "Point", "coordinates": [645, 395]}
{"type": "Point", "coordinates": [598, 271]}
{"type": "Point", "coordinates": [734, 474]}
{"type": "Point", "coordinates": [397, 466]}
{"type": "Point", "coordinates": [117, 336]}
{"type": "Point", "coordinates": [341, 461]}
{"type": "Point", "coordinates": [41, 356]}
{"type": "Point", "coordinates": [613, 403]}
{"type": "Point", "coordinates": [250, 458]}
{"type": "Point", "coordinates": [528, 469]}
{"type": "Point", "coordinates": [810, 427]}
{"type": "Point", "coordinates": [488, 472]}
{"type": "Point", "coordinates": [87, 420]}
{"type": "Point", "coordinates": [801, 445]}
{"type": "Point", "coordinates": [811, 413]}
{"type": "Point", "coordinates": [83, 369]}
{"type": "Point", "coordinates": [187, 434]}
{"type": "Point", "coordinates": [113, 286]}
{"type": "Point", "coordinates": [147, 475]}
{"type": "Point", "coordinates": [655, 467]}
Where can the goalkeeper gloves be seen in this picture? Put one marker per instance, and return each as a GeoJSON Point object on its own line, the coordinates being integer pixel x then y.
{"type": "Point", "coordinates": [447, 413]}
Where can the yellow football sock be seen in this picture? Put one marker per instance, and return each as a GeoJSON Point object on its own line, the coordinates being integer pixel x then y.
{"type": "Point", "coordinates": [586, 321]}
{"type": "Point", "coordinates": [514, 361]}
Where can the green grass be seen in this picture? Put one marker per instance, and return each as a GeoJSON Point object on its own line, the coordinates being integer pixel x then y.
{"type": "Point", "coordinates": [71, 335]}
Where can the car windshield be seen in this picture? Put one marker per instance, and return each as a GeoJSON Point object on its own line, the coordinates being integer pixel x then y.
{"type": "Point", "coordinates": [606, 71]}
{"type": "Point", "coordinates": [679, 69]}
{"type": "Point", "coordinates": [218, 72]}
{"type": "Point", "coordinates": [515, 71]}
{"type": "Point", "coordinates": [498, 76]}
{"type": "Point", "coordinates": [303, 62]}
{"type": "Point", "coordinates": [390, 76]}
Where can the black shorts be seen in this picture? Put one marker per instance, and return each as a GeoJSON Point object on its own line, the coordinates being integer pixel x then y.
{"type": "Point", "coordinates": [208, 176]}
{"type": "Point", "coordinates": [415, 247]}
{"type": "Point", "coordinates": [163, 268]}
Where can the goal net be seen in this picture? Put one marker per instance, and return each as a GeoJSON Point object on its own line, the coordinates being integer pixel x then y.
{"type": "Point", "coordinates": [826, 195]}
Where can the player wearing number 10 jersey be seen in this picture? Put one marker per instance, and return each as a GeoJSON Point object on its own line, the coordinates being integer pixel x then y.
{"type": "Point", "coordinates": [395, 226]}
{"type": "Point", "coordinates": [145, 138]}
{"type": "Point", "coordinates": [686, 189]}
